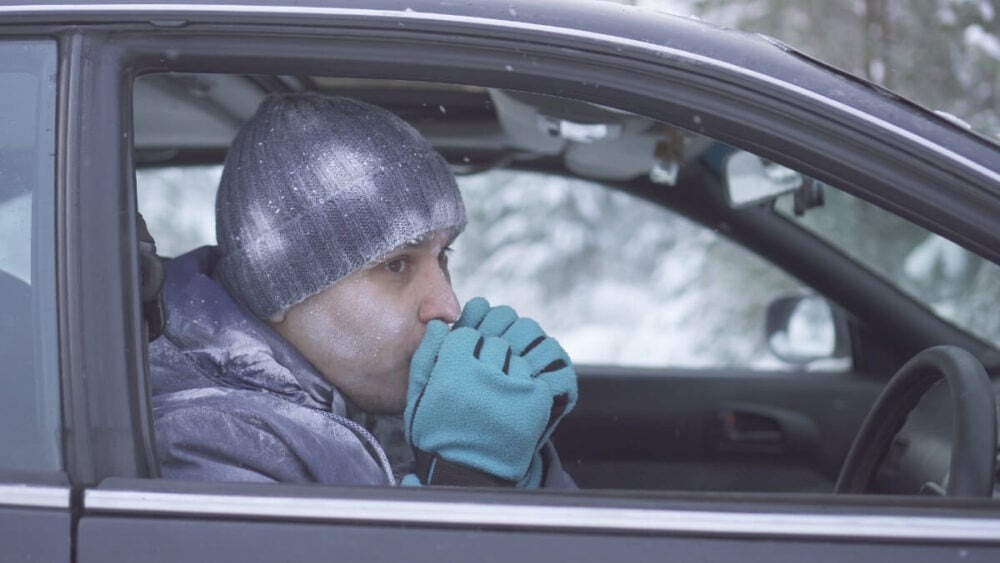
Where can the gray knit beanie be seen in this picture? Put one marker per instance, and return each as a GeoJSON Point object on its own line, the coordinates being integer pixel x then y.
{"type": "Point", "coordinates": [316, 187]}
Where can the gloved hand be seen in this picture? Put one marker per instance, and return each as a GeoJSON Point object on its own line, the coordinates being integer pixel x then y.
{"type": "Point", "coordinates": [548, 361]}
{"type": "Point", "coordinates": [474, 402]}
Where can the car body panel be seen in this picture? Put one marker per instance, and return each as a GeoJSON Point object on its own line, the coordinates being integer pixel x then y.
{"type": "Point", "coordinates": [110, 539]}
{"type": "Point", "coordinates": [31, 534]}
{"type": "Point", "coordinates": [35, 521]}
{"type": "Point", "coordinates": [173, 540]}
{"type": "Point", "coordinates": [562, 514]}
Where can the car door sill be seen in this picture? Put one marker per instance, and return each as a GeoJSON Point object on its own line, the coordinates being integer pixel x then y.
{"type": "Point", "coordinates": [854, 526]}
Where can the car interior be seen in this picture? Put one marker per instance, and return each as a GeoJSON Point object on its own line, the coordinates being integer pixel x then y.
{"type": "Point", "coordinates": [781, 418]}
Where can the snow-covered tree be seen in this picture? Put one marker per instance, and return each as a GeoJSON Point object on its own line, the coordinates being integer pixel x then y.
{"type": "Point", "coordinates": [943, 54]}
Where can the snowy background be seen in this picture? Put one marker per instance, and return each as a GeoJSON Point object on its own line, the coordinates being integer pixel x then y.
{"type": "Point", "coordinates": [943, 54]}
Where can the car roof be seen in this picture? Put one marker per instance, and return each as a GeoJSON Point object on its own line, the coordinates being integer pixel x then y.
{"type": "Point", "coordinates": [594, 17]}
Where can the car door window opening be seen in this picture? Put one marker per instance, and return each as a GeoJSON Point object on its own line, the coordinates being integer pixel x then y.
{"type": "Point", "coordinates": [553, 231]}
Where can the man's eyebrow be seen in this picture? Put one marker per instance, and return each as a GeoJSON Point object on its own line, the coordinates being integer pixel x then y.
{"type": "Point", "coordinates": [412, 243]}
{"type": "Point", "coordinates": [415, 242]}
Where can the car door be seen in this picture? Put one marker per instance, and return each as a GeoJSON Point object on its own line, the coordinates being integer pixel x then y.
{"type": "Point", "coordinates": [127, 514]}
{"type": "Point", "coordinates": [35, 518]}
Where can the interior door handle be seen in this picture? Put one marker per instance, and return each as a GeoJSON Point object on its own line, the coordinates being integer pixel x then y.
{"type": "Point", "coordinates": [763, 429]}
{"type": "Point", "coordinates": [741, 427]}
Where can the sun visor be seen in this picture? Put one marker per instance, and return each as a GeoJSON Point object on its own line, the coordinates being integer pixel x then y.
{"type": "Point", "coordinates": [595, 141]}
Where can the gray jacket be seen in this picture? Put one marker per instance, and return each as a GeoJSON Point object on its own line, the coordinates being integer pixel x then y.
{"type": "Point", "coordinates": [233, 401]}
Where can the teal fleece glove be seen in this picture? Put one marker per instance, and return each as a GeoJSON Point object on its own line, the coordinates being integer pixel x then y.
{"type": "Point", "coordinates": [473, 403]}
{"type": "Point", "coordinates": [548, 361]}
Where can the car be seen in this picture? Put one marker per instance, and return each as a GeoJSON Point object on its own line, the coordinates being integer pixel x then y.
{"type": "Point", "coordinates": [777, 281]}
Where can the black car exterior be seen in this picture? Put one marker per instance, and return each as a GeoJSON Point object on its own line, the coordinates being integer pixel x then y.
{"type": "Point", "coordinates": [88, 491]}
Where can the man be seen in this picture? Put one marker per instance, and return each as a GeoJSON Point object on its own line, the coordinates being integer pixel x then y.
{"type": "Point", "coordinates": [324, 314]}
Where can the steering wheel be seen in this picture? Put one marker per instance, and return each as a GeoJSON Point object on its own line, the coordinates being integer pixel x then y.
{"type": "Point", "coordinates": [974, 423]}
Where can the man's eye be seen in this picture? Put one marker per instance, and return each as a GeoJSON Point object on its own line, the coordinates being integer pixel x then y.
{"type": "Point", "coordinates": [396, 265]}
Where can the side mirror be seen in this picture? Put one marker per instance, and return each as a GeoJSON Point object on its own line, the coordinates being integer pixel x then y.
{"type": "Point", "coordinates": [804, 328]}
{"type": "Point", "coordinates": [750, 179]}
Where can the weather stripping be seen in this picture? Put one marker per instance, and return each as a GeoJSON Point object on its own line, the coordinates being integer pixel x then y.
{"type": "Point", "coordinates": [34, 496]}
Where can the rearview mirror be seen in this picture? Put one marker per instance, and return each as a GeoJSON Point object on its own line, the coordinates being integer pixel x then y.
{"type": "Point", "coordinates": [750, 179]}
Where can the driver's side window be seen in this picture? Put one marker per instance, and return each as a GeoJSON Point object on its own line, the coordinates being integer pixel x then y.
{"type": "Point", "coordinates": [622, 281]}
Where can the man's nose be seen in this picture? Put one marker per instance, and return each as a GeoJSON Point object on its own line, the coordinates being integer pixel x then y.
{"type": "Point", "coordinates": [440, 301]}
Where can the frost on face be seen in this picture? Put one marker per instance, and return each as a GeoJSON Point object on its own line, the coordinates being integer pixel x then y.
{"type": "Point", "coordinates": [356, 326]}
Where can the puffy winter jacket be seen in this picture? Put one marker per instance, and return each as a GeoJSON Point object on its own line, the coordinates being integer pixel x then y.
{"type": "Point", "coordinates": [234, 401]}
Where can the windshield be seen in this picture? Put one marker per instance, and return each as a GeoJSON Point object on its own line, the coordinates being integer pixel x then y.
{"type": "Point", "coordinates": [957, 285]}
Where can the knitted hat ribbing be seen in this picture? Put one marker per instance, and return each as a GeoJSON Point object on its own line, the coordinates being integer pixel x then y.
{"type": "Point", "coordinates": [314, 188]}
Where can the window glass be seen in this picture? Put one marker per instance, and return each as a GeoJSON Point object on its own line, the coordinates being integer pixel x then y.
{"type": "Point", "coordinates": [951, 281]}
{"type": "Point", "coordinates": [178, 204]}
{"type": "Point", "coordinates": [619, 280]}
{"type": "Point", "coordinates": [29, 404]}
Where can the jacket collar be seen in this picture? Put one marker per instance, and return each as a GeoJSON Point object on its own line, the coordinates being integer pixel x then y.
{"type": "Point", "coordinates": [229, 345]}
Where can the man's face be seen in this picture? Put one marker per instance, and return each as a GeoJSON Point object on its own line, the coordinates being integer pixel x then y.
{"type": "Point", "coordinates": [361, 332]}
